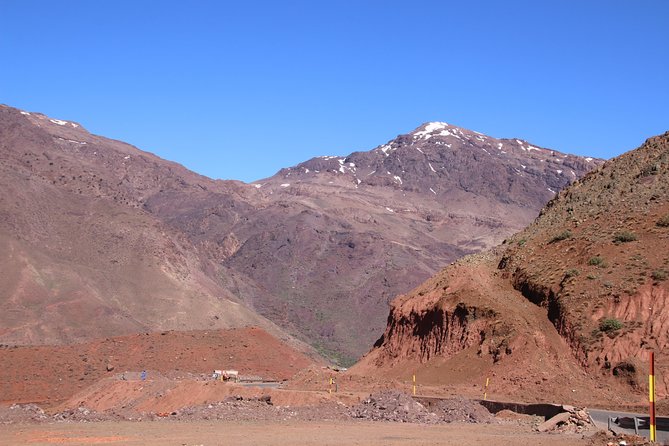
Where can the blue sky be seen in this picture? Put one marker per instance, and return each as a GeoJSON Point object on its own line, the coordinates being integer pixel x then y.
{"type": "Point", "coordinates": [237, 90]}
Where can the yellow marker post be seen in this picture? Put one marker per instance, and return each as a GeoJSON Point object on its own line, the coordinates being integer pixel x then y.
{"type": "Point", "coordinates": [651, 396]}
{"type": "Point", "coordinates": [414, 385]}
{"type": "Point", "coordinates": [485, 391]}
{"type": "Point", "coordinates": [330, 385]}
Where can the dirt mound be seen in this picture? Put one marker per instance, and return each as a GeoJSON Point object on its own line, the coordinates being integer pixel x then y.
{"type": "Point", "coordinates": [238, 408]}
{"type": "Point", "coordinates": [32, 413]}
{"type": "Point", "coordinates": [22, 413]}
{"type": "Point", "coordinates": [51, 374]}
{"type": "Point", "coordinates": [317, 378]}
{"type": "Point", "coordinates": [83, 413]}
{"type": "Point", "coordinates": [392, 405]}
{"type": "Point", "coordinates": [507, 415]}
{"type": "Point", "coordinates": [462, 410]}
{"type": "Point", "coordinates": [169, 395]}
{"type": "Point", "coordinates": [606, 438]}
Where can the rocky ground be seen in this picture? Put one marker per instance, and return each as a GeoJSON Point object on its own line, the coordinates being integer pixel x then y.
{"type": "Point", "coordinates": [373, 418]}
{"type": "Point", "coordinates": [391, 405]}
{"type": "Point", "coordinates": [387, 406]}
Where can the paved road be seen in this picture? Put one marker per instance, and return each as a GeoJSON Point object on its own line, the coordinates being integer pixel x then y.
{"type": "Point", "coordinates": [601, 417]}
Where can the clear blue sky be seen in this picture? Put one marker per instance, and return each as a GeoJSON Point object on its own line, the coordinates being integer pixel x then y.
{"type": "Point", "coordinates": [237, 90]}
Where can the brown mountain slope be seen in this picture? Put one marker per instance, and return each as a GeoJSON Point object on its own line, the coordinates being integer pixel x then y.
{"type": "Point", "coordinates": [320, 249]}
{"type": "Point", "coordinates": [342, 236]}
{"type": "Point", "coordinates": [577, 298]}
{"type": "Point", "coordinates": [81, 259]}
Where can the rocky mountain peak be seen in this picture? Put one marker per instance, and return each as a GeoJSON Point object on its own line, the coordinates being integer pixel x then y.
{"type": "Point", "coordinates": [582, 291]}
{"type": "Point", "coordinates": [319, 249]}
{"type": "Point", "coordinates": [437, 158]}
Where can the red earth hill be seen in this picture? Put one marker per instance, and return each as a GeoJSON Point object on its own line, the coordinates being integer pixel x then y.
{"type": "Point", "coordinates": [568, 307]}
{"type": "Point", "coordinates": [48, 375]}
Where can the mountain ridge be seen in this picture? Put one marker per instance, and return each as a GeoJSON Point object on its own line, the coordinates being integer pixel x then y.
{"type": "Point", "coordinates": [591, 270]}
{"type": "Point", "coordinates": [321, 256]}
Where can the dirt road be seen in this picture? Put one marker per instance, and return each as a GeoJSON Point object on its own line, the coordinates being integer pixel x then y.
{"type": "Point", "coordinates": [289, 434]}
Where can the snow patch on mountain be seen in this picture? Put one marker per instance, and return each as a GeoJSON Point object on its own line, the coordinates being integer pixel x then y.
{"type": "Point", "coordinates": [431, 128]}
{"type": "Point", "coordinates": [60, 122]}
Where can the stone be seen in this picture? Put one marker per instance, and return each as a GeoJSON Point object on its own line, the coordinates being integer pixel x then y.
{"type": "Point", "coordinates": [562, 417]}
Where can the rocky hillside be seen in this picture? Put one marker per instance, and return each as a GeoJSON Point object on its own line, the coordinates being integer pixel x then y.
{"type": "Point", "coordinates": [448, 163]}
{"type": "Point", "coordinates": [137, 243]}
{"type": "Point", "coordinates": [578, 298]}
{"type": "Point", "coordinates": [81, 258]}
{"type": "Point", "coordinates": [340, 237]}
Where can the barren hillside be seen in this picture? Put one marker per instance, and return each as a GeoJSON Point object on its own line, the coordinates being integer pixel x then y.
{"type": "Point", "coordinates": [48, 375]}
{"type": "Point", "coordinates": [572, 303]}
{"type": "Point", "coordinates": [105, 239]}
{"type": "Point", "coordinates": [81, 258]}
{"type": "Point", "coordinates": [344, 235]}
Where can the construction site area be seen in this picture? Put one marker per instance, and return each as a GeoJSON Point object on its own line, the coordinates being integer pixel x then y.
{"type": "Point", "coordinates": [145, 389]}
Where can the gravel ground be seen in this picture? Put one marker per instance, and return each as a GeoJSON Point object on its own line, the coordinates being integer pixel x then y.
{"type": "Point", "coordinates": [386, 405]}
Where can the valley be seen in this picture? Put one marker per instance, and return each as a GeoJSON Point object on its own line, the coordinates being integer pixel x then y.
{"type": "Point", "coordinates": [443, 256]}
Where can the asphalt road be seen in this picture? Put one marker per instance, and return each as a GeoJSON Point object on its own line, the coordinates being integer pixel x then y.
{"type": "Point", "coordinates": [601, 417]}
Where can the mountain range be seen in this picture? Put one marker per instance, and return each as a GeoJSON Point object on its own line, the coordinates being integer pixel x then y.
{"type": "Point", "coordinates": [571, 305]}
{"type": "Point", "coordinates": [103, 239]}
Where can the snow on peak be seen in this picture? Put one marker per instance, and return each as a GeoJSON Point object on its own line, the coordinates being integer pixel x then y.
{"type": "Point", "coordinates": [432, 127]}
{"type": "Point", "coordinates": [60, 122]}
{"type": "Point", "coordinates": [385, 148]}
{"type": "Point", "coordinates": [529, 147]}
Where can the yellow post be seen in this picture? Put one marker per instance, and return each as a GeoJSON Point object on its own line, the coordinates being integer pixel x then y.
{"type": "Point", "coordinates": [485, 391]}
{"type": "Point", "coordinates": [414, 384]}
{"type": "Point", "coordinates": [651, 396]}
{"type": "Point", "coordinates": [330, 385]}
